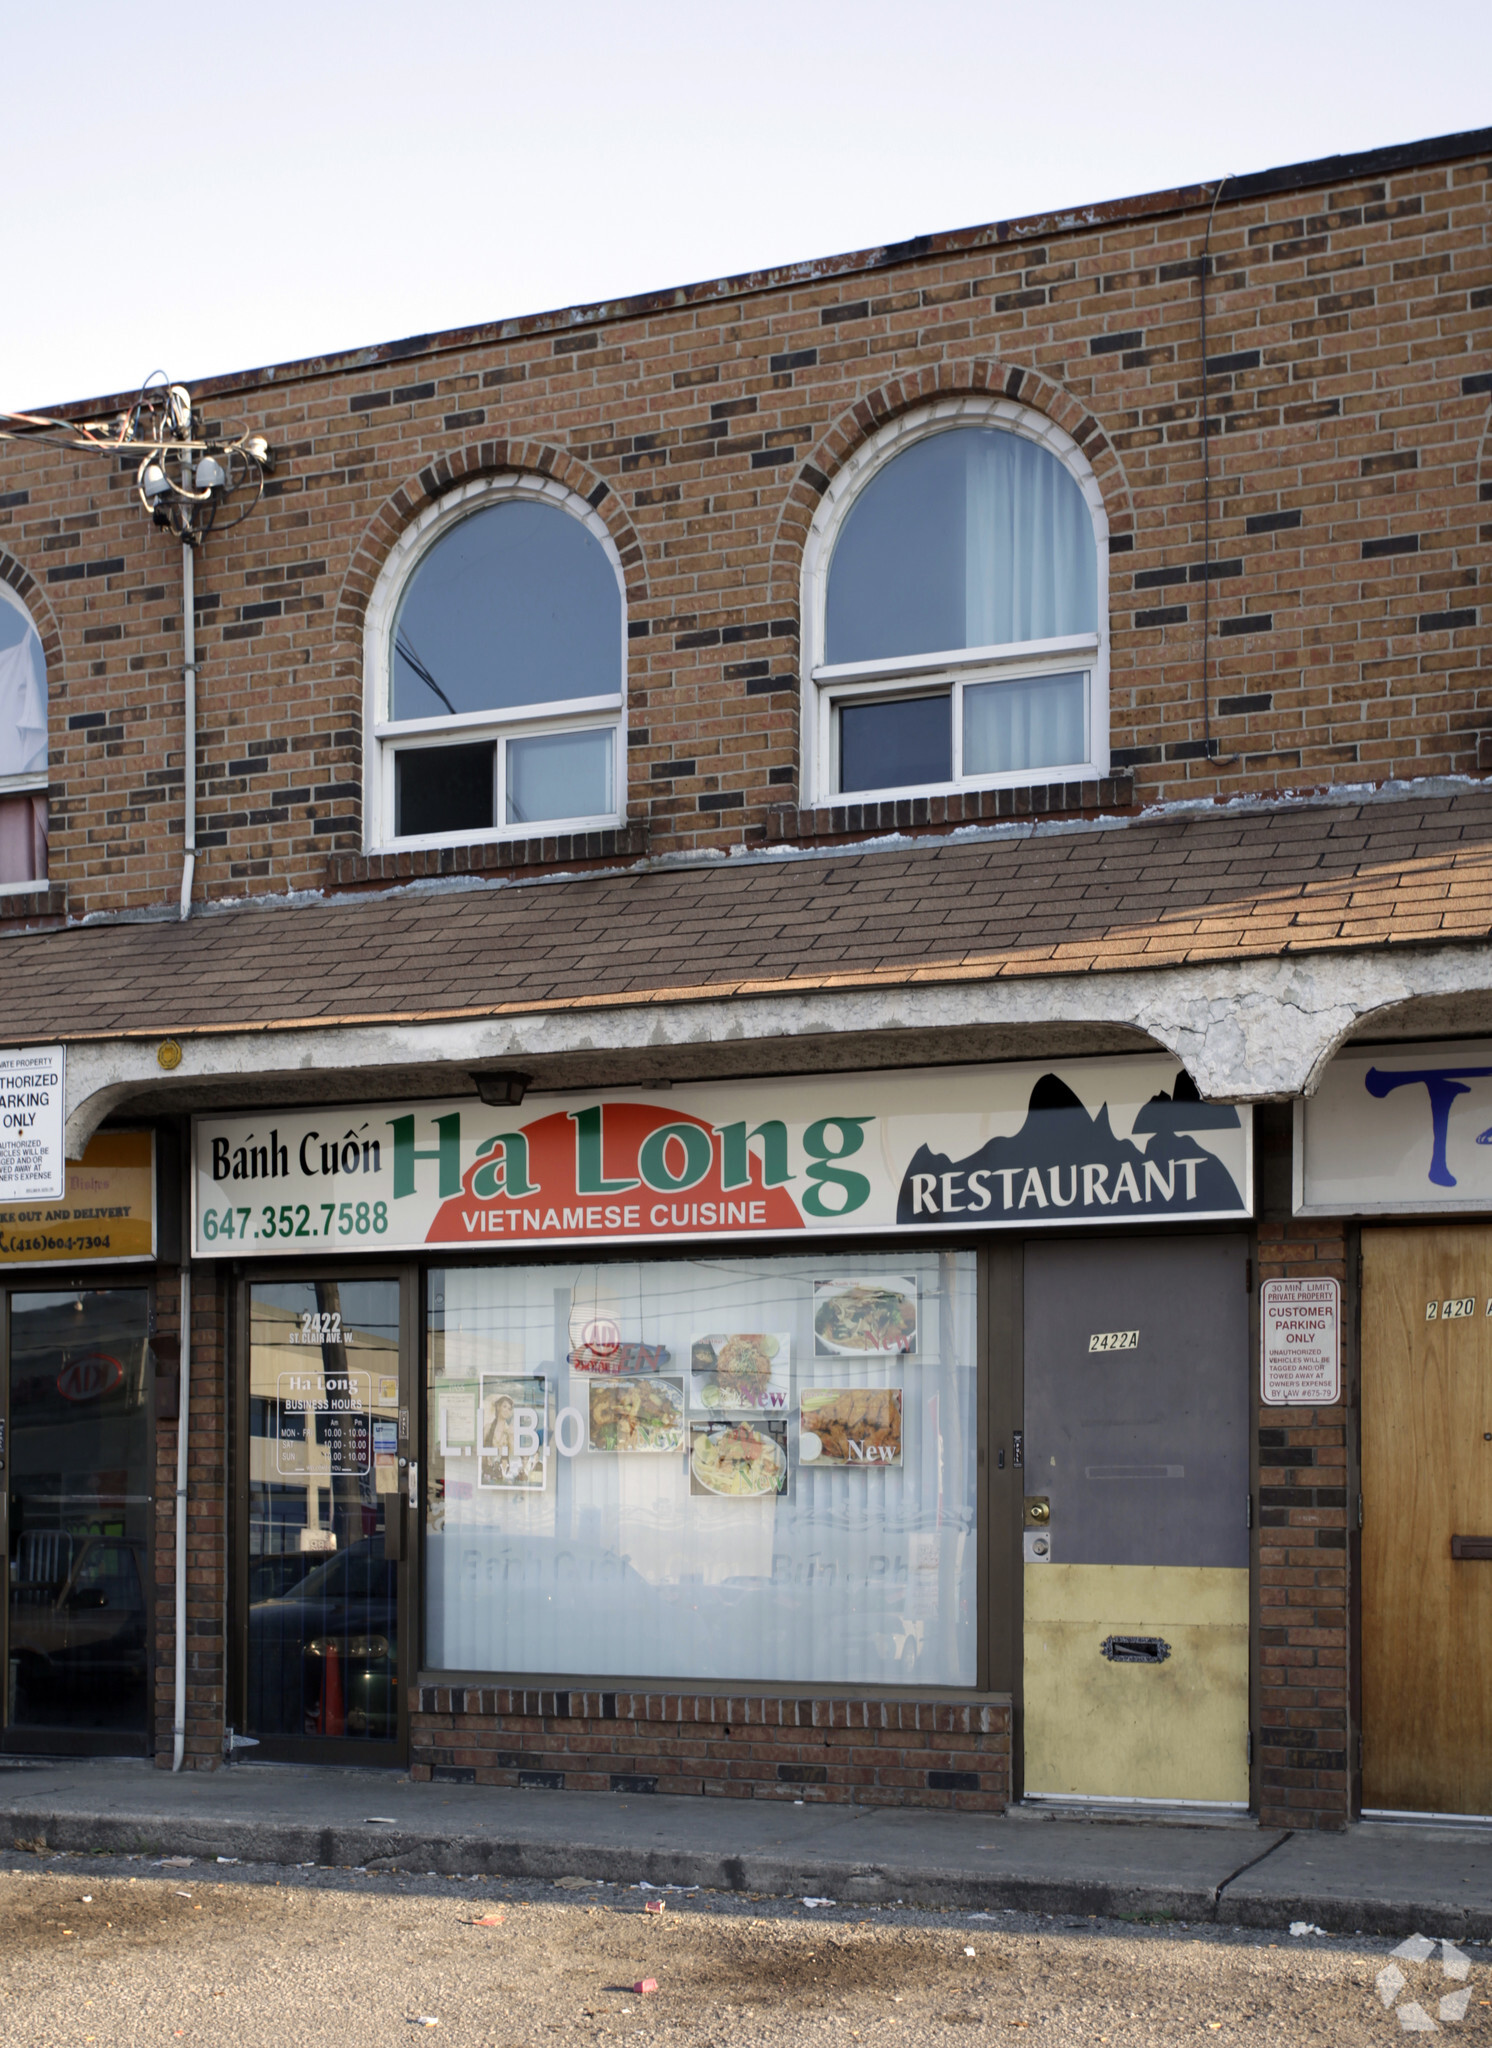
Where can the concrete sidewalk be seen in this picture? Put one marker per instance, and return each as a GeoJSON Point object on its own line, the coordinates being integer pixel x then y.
{"type": "Point", "coordinates": [1377, 1878]}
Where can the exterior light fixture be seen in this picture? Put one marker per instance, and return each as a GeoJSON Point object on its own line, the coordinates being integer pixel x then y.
{"type": "Point", "coordinates": [502, 1090]}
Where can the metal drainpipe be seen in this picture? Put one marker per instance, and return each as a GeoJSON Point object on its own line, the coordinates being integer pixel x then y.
{"type": "Point", "coordinates": [189, 679]}
{"type": "Point", "coordinates": [178, 1725]}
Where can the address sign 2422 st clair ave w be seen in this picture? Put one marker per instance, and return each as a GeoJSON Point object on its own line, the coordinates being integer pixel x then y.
{"type": "Point", "coordinates": [1020, 1146]}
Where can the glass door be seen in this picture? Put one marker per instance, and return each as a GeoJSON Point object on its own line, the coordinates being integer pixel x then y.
{"type": "Point", "coordinates": [320, 1577]}
{"type": "Point", "coordinates": [77, 1451]}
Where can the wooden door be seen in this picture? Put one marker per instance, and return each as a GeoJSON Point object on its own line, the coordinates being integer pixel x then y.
{"type": "Point", "coordinates": [1426, 1481]}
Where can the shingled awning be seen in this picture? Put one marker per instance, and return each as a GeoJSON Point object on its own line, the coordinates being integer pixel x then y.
{"type": "Point", "coordinates": [1213, 886]}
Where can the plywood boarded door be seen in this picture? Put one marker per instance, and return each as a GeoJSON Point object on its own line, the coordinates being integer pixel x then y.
{"type": "Point", "coordinates": [1136, 1612]}
{"type": "Point", "coordinates": [1426, 1481]}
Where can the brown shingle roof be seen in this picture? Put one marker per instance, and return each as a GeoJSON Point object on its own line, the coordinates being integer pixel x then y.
{"type": "Point", "coordinates": [1216, 886]}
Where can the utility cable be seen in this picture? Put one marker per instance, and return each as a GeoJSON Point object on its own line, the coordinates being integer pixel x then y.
{"type": "Point", "coordinates": [1207, 491]}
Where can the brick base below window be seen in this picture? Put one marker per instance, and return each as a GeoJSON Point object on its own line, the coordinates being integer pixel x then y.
{"type": "Point", "coordinates": [872, 1752]}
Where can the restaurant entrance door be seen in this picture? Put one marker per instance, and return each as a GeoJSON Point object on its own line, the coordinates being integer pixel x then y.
{"type": "Point", "coordinates": [321, 1572]}
{"type": "Point", "coordinates": [1136, 1542]}
{"type": "Point", "coordinates": [76, 1451]}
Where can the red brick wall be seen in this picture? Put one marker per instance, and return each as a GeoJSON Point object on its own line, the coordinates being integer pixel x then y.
{"type": "Point", "coordinates": [1349, 473]}
{"type": "Point", "coordinates": [1303, 1774]}
{"type": "Point", "coordinates": [206, 1532]}
{"type": "Point", "coordinates": [873, 1752]}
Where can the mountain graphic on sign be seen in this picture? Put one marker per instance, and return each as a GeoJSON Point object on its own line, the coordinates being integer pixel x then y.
{"type": "Point", "coordinates": [1066, 1162]}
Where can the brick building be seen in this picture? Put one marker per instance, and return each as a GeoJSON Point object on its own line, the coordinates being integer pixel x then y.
{"type": "Point", "coordinates": [964, 761]}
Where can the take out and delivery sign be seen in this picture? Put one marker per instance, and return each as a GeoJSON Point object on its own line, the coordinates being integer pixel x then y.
{"type": "Point", "coordinates": [1019, 1146]}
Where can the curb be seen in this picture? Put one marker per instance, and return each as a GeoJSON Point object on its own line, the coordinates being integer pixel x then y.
{"type": "Point", "coordinates": [419, 1851]}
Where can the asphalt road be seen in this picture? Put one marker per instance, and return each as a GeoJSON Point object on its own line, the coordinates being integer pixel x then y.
{"type": "Point", "coordinates": [103, 1952]}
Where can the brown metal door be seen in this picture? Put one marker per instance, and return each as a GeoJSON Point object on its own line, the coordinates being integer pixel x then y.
{"type": "Point", "coordinates": [1427, 1482]}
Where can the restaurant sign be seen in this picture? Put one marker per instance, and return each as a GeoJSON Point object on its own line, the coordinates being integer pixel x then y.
{"type": "Point", "coordinates": [1398, 1130]}
{"type": "Point", "coordinates": [1092, 1141]}
{"type": "Point", "coordinates": [107, 1213]}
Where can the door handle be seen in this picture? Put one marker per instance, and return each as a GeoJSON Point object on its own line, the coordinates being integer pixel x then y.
{"type": "Point", "coordinates": [1469, 1547]}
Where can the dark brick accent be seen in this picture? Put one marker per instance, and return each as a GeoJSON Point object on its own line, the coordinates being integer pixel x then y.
{"type": "Point", "coordinates": [1162, 615]}
{"type": "Point", "coordinates": [1241, 359]}
{"type": "Point", "coordinates": [1242, 707]}
{"type": "Point", "coordinates": [1271, 522]}
{"type": "Point", "coordinates": [1251, 622]}
{"type": "Point", "coordinates": [1446, 622]}
{"type": "Point", "coordinates": [1395, 544]}
{"type": "Point", "coordinates": [793, 359]}
{"type": "Point", "coordinates": [1115, 344]}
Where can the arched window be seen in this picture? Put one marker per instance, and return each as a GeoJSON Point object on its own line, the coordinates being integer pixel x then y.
{"type": "Point", "coordinates": [23, 747]}
{"type": "Point", "coordinates": [496, 649]}
{"type": "Point", "coordinates": [955, 598]}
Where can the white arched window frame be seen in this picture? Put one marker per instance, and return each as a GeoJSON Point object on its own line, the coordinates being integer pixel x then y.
{"type": "Point", "coordinates": [384, 738]}
{"type": "Point", "coordinates": [825, 688]}
{"type": "Point", "coordinates": [23, 748]}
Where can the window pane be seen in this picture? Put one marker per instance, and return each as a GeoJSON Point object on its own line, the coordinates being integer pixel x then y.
{"type": "Point", "coordinates": [1036, 723]}
{"type": "Point", "coordinates": [895, 745]}
{"type": "Point", "coordinates": [559, 775]}
{"type": "Point", "coordinates": [969, 538]}
{"type": "Point", "coordinates": [443, 789]}
{"type": "Point", "coordinates": [23, 690]}
{"type": "Point", "coordinates": [81, 1470]}
{"type": "Point", "coordinates": [673, 1523]}
{"type": "Point", "coordinates": [516, 605]}
{"type": "Point", "coordinates": [23, 838]}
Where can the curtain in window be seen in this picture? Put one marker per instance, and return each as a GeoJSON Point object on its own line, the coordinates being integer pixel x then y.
{"type": "Point", "coordinates": [23, 839]}
{"type": "Point", "coordinates": [1029, 564]}
{"type": "Point", "coordinates": [23, 709]}
{"type": "Point", "coordinates": [23, 751]}
{"type": "Point", "coordinates": [973, 537]}
{"type": "Point", "coordinates": [1036, 723]}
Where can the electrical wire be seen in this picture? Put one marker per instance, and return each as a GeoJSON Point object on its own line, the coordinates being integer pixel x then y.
{"type": "Point", "coordinates": [1207, 491]}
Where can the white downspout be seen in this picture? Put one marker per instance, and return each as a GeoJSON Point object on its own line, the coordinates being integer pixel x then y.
{"type": "Point", "coordinates": [189, 754]}
{"type": "Point", "coordinates": [178, 1725]}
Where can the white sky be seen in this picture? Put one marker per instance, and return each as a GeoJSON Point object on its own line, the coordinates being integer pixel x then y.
{"type": "Point", "coordinates": [209, 189]}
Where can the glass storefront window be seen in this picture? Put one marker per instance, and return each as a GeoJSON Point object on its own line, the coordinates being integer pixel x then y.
{"type": "Point", "coordinates": [80, 1510]}
{"type": "Point", "coordinates": [709, 1469]}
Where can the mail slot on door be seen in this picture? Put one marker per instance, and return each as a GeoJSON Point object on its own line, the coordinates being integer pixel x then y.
{"type": "Point", "coordinates": [1135, 1650]}
{"type": "Point", "coordinates": [1471, 1546]}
